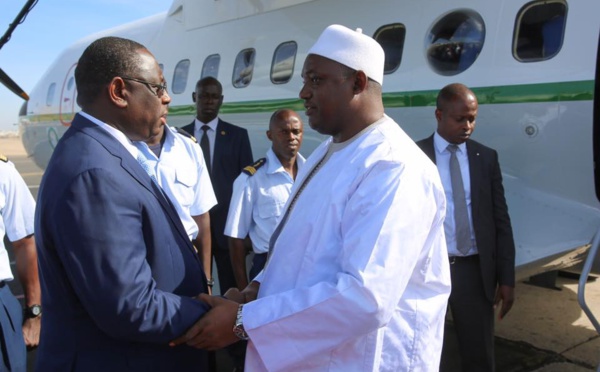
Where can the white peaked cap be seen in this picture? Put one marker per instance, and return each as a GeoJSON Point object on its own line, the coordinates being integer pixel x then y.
{"type": "Point", "coordinates": [353, 49]}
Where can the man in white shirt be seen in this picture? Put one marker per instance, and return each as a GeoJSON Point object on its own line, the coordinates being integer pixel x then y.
{"type": "Point", "coordinates": [17, 222]}
{"type": "Point", "coordinates": [358, 276]}
{"type": "Point", "coordinates": [178, 164]}
{"type": "Point", "coordinates": [226, 149]}
{"type": "Point", "coordinates": [260, 193]}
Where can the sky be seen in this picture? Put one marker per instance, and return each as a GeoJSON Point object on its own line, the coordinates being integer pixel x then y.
{"type": "Point", "coordinates": [50, 27]}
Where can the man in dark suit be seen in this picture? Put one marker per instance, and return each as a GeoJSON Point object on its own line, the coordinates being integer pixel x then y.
{"type": "Point", "coordinates": [227, 151]}
{"type": "Point", "coordinates": [477, 226]}
{"type": "Point", "coordinates": [117, 269]}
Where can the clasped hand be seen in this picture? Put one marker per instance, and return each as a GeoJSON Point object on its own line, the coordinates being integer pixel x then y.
{"type": "Point", "coordinates": [215, 329]}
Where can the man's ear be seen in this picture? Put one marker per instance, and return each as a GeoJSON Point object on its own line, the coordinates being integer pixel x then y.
{"type": "Point", "coordinates": [269, 135]}
{"type": "Point", "coordinates": [438, 115]}
{"type": "Point", "coordinates": [360, 82]}
{"type": "Point", "coordinates": [194, 97]}
{"type": "Point", "coordinates": [117, 92]}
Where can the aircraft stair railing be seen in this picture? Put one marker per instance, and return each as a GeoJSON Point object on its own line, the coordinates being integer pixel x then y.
{"type": "Point", "coordinates": [585, 273]}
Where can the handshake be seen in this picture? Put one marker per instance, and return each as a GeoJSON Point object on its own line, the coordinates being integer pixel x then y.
{"type": "Point", "coordinates": [214, 330]}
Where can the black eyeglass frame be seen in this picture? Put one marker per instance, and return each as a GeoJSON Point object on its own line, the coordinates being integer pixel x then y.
{"type": "Point", "coordinates": [161, 89]}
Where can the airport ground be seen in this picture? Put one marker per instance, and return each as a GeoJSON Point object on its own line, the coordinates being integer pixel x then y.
{"type": "Point", "coordinates": [546, 331]}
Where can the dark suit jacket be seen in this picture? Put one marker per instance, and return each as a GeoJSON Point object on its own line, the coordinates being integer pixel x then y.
{"type": "Point", "coordinates": [116, 266]}
{"type": "Point", "coordinates": [491, 222]}
{"type": "Point", "coordinates": [232, 152]}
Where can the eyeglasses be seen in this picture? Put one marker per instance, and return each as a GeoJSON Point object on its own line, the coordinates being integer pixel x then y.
{"type": "Point", "coordinates": [156, 89]}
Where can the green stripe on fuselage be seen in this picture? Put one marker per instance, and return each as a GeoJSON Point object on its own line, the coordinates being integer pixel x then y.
{"type": "Point", "coordinates": [526, 93]}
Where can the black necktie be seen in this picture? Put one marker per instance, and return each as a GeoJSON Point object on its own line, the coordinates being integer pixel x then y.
{"type": "Point", "coordinates": [204, 145]}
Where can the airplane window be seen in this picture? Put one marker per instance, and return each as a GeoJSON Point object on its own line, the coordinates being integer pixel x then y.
{"type": "Point", "coordinates": [50, 94]}
{"type": "Point", "coordinates": [180, 76]}
{"type": "Point", "coordinates": [211, 66]}
{"type": "Point", "coordinates": [243, 68]}
{"type": "Point", "coordinates": [455, 41]}
{"type": "Point", "coordinates": [391, 38]}
{"type": "Point", "coordinates": [539, 30]}
{"type": "Point", "coordinates": [284, 58]}
{"type": "Point", "coordinates": [70, 83]}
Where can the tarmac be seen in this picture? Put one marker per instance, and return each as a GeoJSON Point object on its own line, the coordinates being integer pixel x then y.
{"type": "Point", "coordinates": [546, 330]}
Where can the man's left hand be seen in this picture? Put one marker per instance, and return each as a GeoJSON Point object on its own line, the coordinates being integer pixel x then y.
{"type": "Point", "coordinates": [215, 329]}
{"type": "Point", "coordinates": [505, 294]}
{"type": "Point", "coordinates": [31, 332]}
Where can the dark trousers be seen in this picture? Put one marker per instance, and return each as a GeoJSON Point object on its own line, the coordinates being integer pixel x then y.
{"type": "Point", "coordinates": [238, 350]}
{"type": "Point", "coordinates": [13, 356]}
{"type": "Point", "coordinates": [223, 261]}
{"type": "Point", "coordinates": [473, 316]}
{"type": "Point", "coordinates": [258, 263]}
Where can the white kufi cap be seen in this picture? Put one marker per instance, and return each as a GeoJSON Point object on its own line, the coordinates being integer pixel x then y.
{"type": "Point", "coordinates": [353, 49]}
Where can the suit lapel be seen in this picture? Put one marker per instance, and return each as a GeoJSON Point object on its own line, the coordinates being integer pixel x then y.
{"type": "Point", "coordinates": [474, 174]}
{"type": "Point", "coordinates": [131, 166]}
{"type": "Point", "coordinates": [429, 149]}
{"type": "Point", "coordinates": [191, 129]}
{"type": "Point", "coordinates": [219, 145]}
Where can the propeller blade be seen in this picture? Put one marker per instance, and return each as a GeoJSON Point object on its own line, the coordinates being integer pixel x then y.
{"type": "Point", "coordinates": [10, 84]}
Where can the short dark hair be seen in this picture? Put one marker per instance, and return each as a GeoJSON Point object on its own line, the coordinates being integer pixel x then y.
{"type": "Point", "coordinates": [451, 92]}
{"type": "Point", "coordinates": [209, 80]}
{"type": "Point", "coordinates": [101, 61]}
{"type": "Point", "coordinates": [279, 114]}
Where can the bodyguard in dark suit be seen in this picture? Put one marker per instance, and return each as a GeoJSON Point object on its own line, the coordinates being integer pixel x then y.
{"type": "Point", "coordinates": [227, 151]}
{"type": "Point", "coordinates": [117, 269]}
{"type": "Point", "coordinates": [477, 226]}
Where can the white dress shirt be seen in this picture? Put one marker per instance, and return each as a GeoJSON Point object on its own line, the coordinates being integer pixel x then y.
{"type": "Point", "coordinates": [212, 134]}
{"type": "Point", "coordinates": [442, 160]}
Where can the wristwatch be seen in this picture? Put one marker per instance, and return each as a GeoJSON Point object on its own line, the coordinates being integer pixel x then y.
{"type": "Point", "coordinates": [238, 328]}
{"type": "Point", "coordinates": [32, 311]}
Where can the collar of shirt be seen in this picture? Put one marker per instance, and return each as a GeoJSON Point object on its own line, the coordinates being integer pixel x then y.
{"type": "Point", "coordinates": [274, 165]}
{"type": "Point", "coordinates": [441, 146]}
{"type": "Point", "coordinates": [117, 134]}
{"type": "Point", "coordinates": [211, 133]}
{"type": "Point", "coordinates": [212, 124]}
{"type": "Point", "coordinates": [167, 144]}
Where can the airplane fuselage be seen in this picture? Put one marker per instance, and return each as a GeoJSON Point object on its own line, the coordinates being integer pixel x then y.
{"type": "Point", "coordinates": [536, 110]}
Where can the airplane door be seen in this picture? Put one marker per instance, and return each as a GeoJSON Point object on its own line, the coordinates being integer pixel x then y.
{"type": "Point", "coordinates": [68, 93]}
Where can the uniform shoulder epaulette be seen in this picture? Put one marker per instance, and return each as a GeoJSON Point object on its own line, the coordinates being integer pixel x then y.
{"type": "Point", "coordinates": [186, 134]}
{"type": "Point", "coordinates": [3, 158]}
{"type": "Point", "coordinates": [251, 169]}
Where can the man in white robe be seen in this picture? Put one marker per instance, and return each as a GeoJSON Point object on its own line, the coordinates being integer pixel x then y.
{"type": "Point", "coordinates": [358, 275]}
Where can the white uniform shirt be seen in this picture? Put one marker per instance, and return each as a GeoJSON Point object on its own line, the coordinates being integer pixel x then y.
{"type": "Point", "coordinates": [442, 160]}
{"type": "Point", "coordinates": [182, 174]}
{"type": "Point", "coordinates": [358, 279]}
{"type": "Point", "coordinates": [17, 209]}
{"type": "Point", "coordinates": [258, 200]}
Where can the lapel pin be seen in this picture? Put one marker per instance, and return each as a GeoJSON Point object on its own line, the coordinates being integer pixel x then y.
{"type": "Point", "coordinates": [223, 133]}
